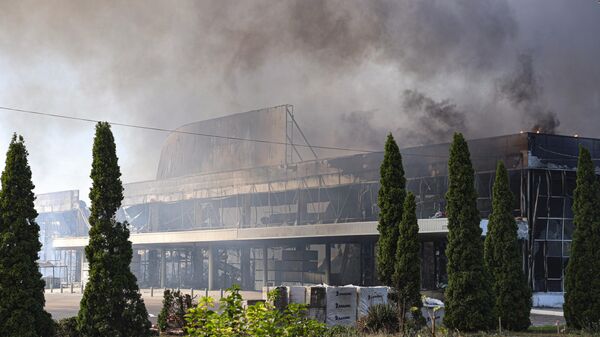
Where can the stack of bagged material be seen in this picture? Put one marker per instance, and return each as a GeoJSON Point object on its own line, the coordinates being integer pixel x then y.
{"type": "Point", "coordinates": [282, 298]}
{"type": "Point", "coordinates": [370, 296]}
{"type": "Point", "coordinates": [341, 305]}
{"type": "Point", "coordinates": [332, 305]}
{"type": "Point", "coordinates": [317, 304]}
{"type": "Point", "coordinates": [297, 294]}
{"type": "Point", "coordinates": [433, 308]}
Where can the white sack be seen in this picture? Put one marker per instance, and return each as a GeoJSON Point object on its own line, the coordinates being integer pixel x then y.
{"type": "Point", "coordinates": [370, 296]}
{"type": "Point", "coordinates": [297, 294]}
{"type": "Point", "coordinates": [341, 305]}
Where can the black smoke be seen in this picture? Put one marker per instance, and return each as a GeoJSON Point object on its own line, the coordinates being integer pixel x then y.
{"type": "Point", "coordinates": [437, 120]}
{"type": "Point", "coordinates": [166, 64]}
{"type": "Point", "coordinates": [523, 90]}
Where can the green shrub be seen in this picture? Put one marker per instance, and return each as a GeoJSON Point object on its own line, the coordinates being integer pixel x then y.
{"type": "Point", "coordinates": [297, 323]}
{"type": "Point", "coordinates": [343, 331]}
{"type": "Point", "coordinates": [175, 306]}
{"type": "Point", "coordinates": [202, 321]}
{"type": "Point", "coordinates": [260, 320]}
{"type": "Point", "coordinates": [163, 316]}
{"type": "Point", "coordinates": [469, 297]}
{"type": "Point", "coordinates": [380, 318]}
{"type": "Point", "coordinates": [67, 327]}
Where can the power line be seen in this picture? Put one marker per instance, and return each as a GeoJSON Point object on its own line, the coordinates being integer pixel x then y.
{"type": "Point", "coordinates": [263, 141]}
{"type": "Point", "coordinates": [152, 128]}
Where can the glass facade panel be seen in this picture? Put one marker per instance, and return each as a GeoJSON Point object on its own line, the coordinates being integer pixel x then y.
{"type": "Point", "coordinates": [569, 207]}
{"type": "Point", "coordinates": [541, 207]}
{"type": "Point", "coordinates": [554, 286]}
{"type": "Point", "coordinates": [556, 187]}
{"type": "Point", "coordinates": [554, 229]}
{"type": "Point", "coordinates": [540, 228]}
{"type": "Point", "coordinates": [554, 265]}
{"type": "Point", "coordinates": [567, 248]}
{"type": "Point", "coordinates": [345, 263]}
{"type": "Point", "coordinates": [568, 229]}
{"type": "Point", "coordinates": [554, 249]}
{"type": "Point", "coordinates": [556, 207]}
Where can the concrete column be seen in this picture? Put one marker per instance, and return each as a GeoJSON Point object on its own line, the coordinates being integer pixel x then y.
{"type": "Point", "coordinates": [327, 263]}
{"type": "Point", "coordinates": [265, 265]}
{"type": "Point", "coordinates": [212, 267]}
{"type": "Point", "coordinates": [197, 265]}
{"type": "Point", "coordinates": [136, 260]}
{"type": "Point", "coordinates": [153, 220]}
{"type": "Point", "coordinates": [154, 268]}
{"type": "Point", "coordinates": [163, 268]}
{"type": "Point", "coordinates": [247, 280]}
{"type": "Point", "coordinates": [302, 213]}
{"type": "Point", "coordinates": [246, 216]}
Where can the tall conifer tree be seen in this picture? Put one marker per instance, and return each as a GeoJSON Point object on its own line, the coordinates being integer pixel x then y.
{"type": "Point", "coordinates": [469, 299]}
{"type": "Point", "coordinates": [111, 303]}
{"type": "Point", "coordinates": [582, 283]}
{"type": "Point", "coordinates": [407, 274]}
{"type": "Point", "coordinates": [390, 200]}
{"type": "Point", "coordinates": [503, 258]}
{"type": "Point", "coordinates": [21, 286]}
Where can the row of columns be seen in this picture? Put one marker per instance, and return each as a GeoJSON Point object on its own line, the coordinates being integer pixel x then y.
{"type": "Point", "coordinates": [158, 266]}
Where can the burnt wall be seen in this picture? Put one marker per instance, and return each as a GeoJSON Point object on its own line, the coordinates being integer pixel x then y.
{"type": "Point", "coordinates": [185, 153]}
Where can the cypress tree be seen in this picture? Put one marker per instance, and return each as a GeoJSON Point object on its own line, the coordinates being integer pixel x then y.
{"type": "Point", "coordinates": [390, 201]}
{"type": "Point", "coordinates": [21, 286]}
{"type": "Point", "coordinates": [407, 274]}
{"type": "Point", "coordinates": [582, 284]}
{"type": "Point", "coordinates": [503, 258]}
{"type": "Point", "coordinates": [469, 299]}
{"type": "Point", "coordinates": [111, 303]}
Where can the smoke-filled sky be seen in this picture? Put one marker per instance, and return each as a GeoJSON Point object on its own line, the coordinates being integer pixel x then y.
{"type": "Point", "coordinates": [352, 69]}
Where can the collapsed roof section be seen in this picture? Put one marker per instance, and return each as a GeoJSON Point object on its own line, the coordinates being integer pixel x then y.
{"type": "Point", "coordinates": [188, 152]}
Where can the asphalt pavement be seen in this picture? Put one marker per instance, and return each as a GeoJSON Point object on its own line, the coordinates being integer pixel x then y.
{"type": "Point", "coordinates": [66, 304]}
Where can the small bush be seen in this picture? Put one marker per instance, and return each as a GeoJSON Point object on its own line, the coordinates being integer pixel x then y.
{"type": "Point", "coordinates": [163, 316]}
{"type": "Point", "coordinates": [380, 318]}
{"type": "Point", "coordinates": [67, 327]}
{"type": "Point", "coordinates": [261, 319]}
{"type": "Point", "coordinates": [343, 331]}
{"type": "Point", "coordinates": [175, 306]}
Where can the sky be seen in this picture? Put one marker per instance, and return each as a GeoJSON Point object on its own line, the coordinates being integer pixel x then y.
{"type": "Point", "coordinates": [354, 70]}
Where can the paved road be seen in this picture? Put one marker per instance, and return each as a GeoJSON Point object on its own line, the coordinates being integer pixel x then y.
{"type": "Point", "coordinates": [67, 304]}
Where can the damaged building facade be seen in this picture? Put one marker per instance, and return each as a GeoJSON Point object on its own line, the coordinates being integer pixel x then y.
{"type": "Point", "coordinates": [225, 211]}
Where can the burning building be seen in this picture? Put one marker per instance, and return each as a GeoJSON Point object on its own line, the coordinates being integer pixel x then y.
{"type": "Point", "coordinates": [228, 210]}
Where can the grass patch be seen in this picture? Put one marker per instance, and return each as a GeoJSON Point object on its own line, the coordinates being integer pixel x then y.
{"type": "Point", "coordinates": [543, 329]}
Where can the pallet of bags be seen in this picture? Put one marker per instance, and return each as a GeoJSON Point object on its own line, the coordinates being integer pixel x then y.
{"type": "Point", "coordinates": [317, 302]}
{"type": "Point", "coordinates": [341, 305]}
{"type": "Point", "coordinates": [297, 294]}
{"type": "Point", "coordinates": [282, 299]}
{"type": "Point", "coordinates": [370, 296]}
{"type": "Point", "coordinates": [433, 309]}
